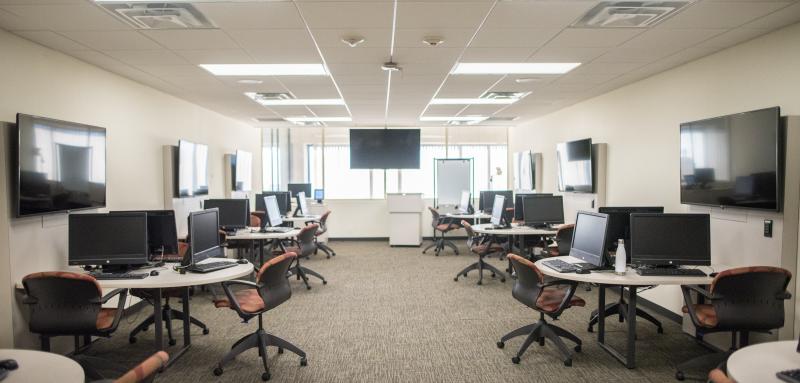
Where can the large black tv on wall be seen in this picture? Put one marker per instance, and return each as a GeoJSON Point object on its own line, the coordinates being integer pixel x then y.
{"type": "Point", "coordinates": [60, 166]}
{"type": "Point", "coordinates": [733, 161]}
{"type": "Point", "coordinates": [384, 148]}
{"type": "Point", "coordinates": [574, 161]}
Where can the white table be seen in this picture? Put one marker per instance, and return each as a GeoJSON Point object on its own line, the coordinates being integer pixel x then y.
{"type": "Point", "coordinates": [39, 366]}
{"type": "Point", "coordinates": [759, 363]}
{"type": "Point", "coordinates": [631, 280]}
{"type": "Point", "coordinates": [513, 230]}
{"type": "Point", "coordinates": [477, 216]}
{"type": "Point", "coordinates": [308, 218]}
{"type": "Point", "coordinates": [253, 235]}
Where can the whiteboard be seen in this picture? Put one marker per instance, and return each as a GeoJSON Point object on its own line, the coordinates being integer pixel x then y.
{"type": "Point", "coordinates": [452, 177]}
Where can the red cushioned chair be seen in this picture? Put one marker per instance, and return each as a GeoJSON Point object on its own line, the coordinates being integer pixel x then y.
{"type": "Point", "coordinates": [563, 241]}
{"type": "Point", "coordinates": [549, 298]}
{"type": "Point", "coordinates": [742, 300]}
{"type": "Point", "coordinates": [145, 372]}
{"type": "Point", "coordinates": [482, 246]}
{"type": "Point", "coordinates": [269, 291]}
{"type": "Point", "coordinates": [718, 376]}
{"type": "Point", "coordinates": [323, 228]}
{"type": "Point", "coordinates": [306, 246]}
{"type": "Point", "coordinates": [441, 225]}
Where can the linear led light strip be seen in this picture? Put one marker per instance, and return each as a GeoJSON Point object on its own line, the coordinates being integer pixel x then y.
{"type": "Point", "coordinates": [266, 69]}
{"type": "Point", "coordinates": [474, 101]}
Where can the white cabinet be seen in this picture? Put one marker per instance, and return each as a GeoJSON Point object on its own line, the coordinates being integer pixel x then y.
{"type": "Point", "coordinates": [405, 219]}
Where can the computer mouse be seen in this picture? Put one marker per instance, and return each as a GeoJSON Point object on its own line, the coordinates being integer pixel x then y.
{"type": "Point", "coordinates": [582, 271]}
{"type": "Point", "coordinates": [714, 274]}
{"type": "Point", "coordinates": [9, 364]}
{"type": "Point", "coordinates": [241, 261]}
{"type": "Point", "coordinates": [154, 273]}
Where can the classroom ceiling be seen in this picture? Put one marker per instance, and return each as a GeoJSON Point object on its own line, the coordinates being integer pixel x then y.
{"type": "Point", "coordinates": [311, 32]}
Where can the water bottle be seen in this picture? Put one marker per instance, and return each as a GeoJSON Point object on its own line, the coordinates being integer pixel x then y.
{"type": "Point", "coordinates": [621, 258]}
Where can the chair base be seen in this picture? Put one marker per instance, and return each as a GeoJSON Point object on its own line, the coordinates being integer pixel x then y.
{"type": "Point", "coordinates": [702, 364]}
{"type": "Point", "coordinates": [326, 249]}
{"type": "Point", "coordinates": [260, 340]}
{"type": "Point", "coordinates": [439, 244]}
{"type": "Point", "coordinates": [302, 273]}
{"type": "Point", "coordinates": [538, 332]}
{"type": "Point", "coordinates": [620, 309]}
{"type": "Point", "coordinates": [480, 266]}
{"type": "Point", "coordinates": [168, 314]}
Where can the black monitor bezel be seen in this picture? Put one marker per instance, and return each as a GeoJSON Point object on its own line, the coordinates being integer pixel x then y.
{"type": "Point", "coordinates": [666, 262]}
{"type": "Point", "coordinates": [543, 222]}
{"type": "Point", "coordinates": [246, 216]}
{"type": "Point", "coordinates": [611, 210]}
{"type": "Point", "coordinates": [191, 257]}
{"type": "Point", "coordinates": [138, 261]}
{"type": "Point", "coordinates": [578, 253]}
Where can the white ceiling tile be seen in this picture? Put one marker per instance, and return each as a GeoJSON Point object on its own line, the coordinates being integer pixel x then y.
{"type": "Point", "coordinates": [467, 86]}
{"type": "Point", "coordinates": [343, 15]}
{"type": "Point", "coordinates": [373, 37]}
{"type": "Point", "coordinates": [443, 110]}
{"type": "Point", "coordinates": [785, 16]}
{"type": "Point", "coordinates": [733, 37]}
{"type": "Point", "coordinates": [330, 111]}
{"type": "Point", "coordinates": [509, 38]}
{"type": "Point", "coordinates": [597, 67]}
{"type": "Point", "coordinates": [273, 38]}
{"type": "Point", "coordinates": [536, 14]}
{"type": "Point", "coordinates": [713, 15]}
{"type": "Point", "coordinates": [192, 39]}
{"type": "Point", "coordinates": [415, 15]}
{"type": "Point", "coordinates": [216, 56]}
{"type": "Point", "coordinates": [592, 79]}
{"type": "Point", "coordinates": [635, 54]}
{"type": "Point", "coordinates": [355, 55]}
{"type": "Point", "coordinates": [150, 57]}
{"type": "Point", "coordinates": [166, 71]}
{"type": "Point", "coordinates": [496, 54]}
{"type": "Point", "coordinates": [52, 40]}
{"type": "Point", "coordinates": [294, 55]}
{"type": "Point", "coordinates": [509, 84]}
{"type": "Point", "coordinates": [591, 38]}
{"type": "Point", "coordinates": [372, 79]}
{"type": "Point", "coordinates": [481, 110]}
{"type": "Point", "coordinates": [426, 55]}
{"type": "Point", "coordinates": [252, 15]}
{"type": "Point", "coordinates": [430, 68]}
{"type": "Point", "coordinates": [672, 38]}
{"type": "Point", "coordinates": [452, 38]}
{"type": "Point", "coordinates": [39, 2]}
{"type": "Point", "coordinates": [96, 58]}
{"type": "Point", "coordinates": [561, 54]}
{"type": "Point", "coordinates": [70, 17]}
{"type": "Point", "coordinates": [112, 40]}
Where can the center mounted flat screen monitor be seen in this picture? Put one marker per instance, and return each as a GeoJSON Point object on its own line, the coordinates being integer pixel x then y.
{"type": "Point", "coordinates": [59, 166]}
{"type": "Point", "coordinates": [294, 189]}
{"type": "Point", "coordinates": [589, 238]}
{"type": "Point", "coordinates": [233, 213]}
{"type": "Point", "coordinates": [302, 204]}
{"type": "Point", "coordinates": [110, 239]}
{"type": "Point", "coordinates": [670, 239]}
{"type": "Point", "coordinates": [733, 161]}
{"type": "Point", "coordinates": [574, 162]}
{"type": "Point", "coordinates": [619, 223]}
{"type": "Point", "coordinates": [384, 148]}
{"type": "Point", "coordinates": [203, 236]}
{"type": "Point", "coordinates": [486, 200]}
{"type": "Point", "coordinates": [242, 171]}
{"type": "Point", "coordinates": [273, 212]}
{"type": "Point", "coordinates": [162, 233]}
{"type": "Point", "coordinates": [192, 169]}
{"type": "Point", "coordinates": [498, 210]}
{"type": "Point", "coordinates": [518, 203]}
{"type": "Point", "coordinates": [283, 198]}
{"type": "Point", "coordinates": [543, 210]}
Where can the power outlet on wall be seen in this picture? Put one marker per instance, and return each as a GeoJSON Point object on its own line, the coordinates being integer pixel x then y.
{"type": "Point", "coordinates": [768, 228]}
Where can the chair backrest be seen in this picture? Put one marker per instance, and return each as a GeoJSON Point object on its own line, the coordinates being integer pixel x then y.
{"type": "Point", "coordinates": [145, 371]}
{"type": "Point", "coordinates": [305, 240]}
{"type": "Point", "coordinates": [62, 302]}
{"type": "Point", "coordinates": [471, 235]}
{"type": "Point", "coordinates": [434, 217]}
{"type": "Point", "coordinates": [274, 287]}
{"type": "Point", "coordinates": [529, 279]}
{"type": "Point", "coordinates": [564, 238]}
{"type": "Point", "coordinates": [255, 219]}
{"type": "Point", "coordinates": [751, 298]}
{"type": "Point", "coordinates": [323, 223]}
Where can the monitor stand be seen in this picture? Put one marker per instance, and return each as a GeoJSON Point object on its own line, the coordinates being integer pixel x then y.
{"type": "Point", "coordinates": [297, 212]}
{"type": "Point", "coordinates": [110, 269]}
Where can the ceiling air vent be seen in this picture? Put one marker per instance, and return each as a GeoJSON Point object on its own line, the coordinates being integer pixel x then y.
{"type": "Point", "coordinates": [501, 119]}
{"type": "Point", "coordinates": [629, 14]}
{"type": "Point", "coordinates": [159, 15]}
{"type": "Point", "coordinates": [272, 96]}
{"type": "Point", "coordinates": [505, 95]}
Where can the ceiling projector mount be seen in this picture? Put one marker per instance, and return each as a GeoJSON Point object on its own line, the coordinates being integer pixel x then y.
{"type": "Point", "coordinates": [391, 66]}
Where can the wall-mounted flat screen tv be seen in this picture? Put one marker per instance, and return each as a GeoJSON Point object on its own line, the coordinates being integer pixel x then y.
{"type": "Point", "coordinates": [384, 148]}
{"type": "Point", "coordinates": [242, 168]}
{"type": "Point", "coordinates": [60, 166]}
{"type": "Point", "coordinates": [574, 161]}
{"type": "Point", "coordinates": [733, 160]}
{"type": "Point", "coordinates": [192, 166]}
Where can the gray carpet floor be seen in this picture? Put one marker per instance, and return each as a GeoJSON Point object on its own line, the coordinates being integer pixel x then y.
{"type": "Point", "coordinates": [396, 315]}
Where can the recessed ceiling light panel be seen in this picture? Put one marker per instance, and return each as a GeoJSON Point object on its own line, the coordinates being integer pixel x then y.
{"type": "Point", "coordinates": [266, 69]}
{"type": "Point", "coordinates": [514, 68]}
{"type": "Point", "coordinates": [317, 119]}
{"type": "Point", "coordinates": [267, 100]}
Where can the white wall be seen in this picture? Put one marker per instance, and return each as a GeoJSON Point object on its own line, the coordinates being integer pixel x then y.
{"type": "Point", "coordinates": [139, 121]}
{"type": "Point", "coordinates": [639, 122]}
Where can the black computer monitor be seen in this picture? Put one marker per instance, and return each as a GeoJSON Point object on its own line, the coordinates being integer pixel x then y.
{"type": "Point", "coordinates": [619, 223]}
{"type": "Point", "coordinates": [203, 236]}
{"type": "Point", "coordinates": [283, 197]}
{"type": "Point", "coordinates": [111, 240]}
{"type": "Point", "coordinates": [233, 213]}
{"type": "Point", "coordinates": [670, 239]}
{"type": "Point", "coordinates": [302, 204]}
{"type": "Point", "coordinates": [499, 210]}
{"type": "Point", "coordinates": [294, 189]}
{"type": "Point", "coordinates": [589, 238]}
{"type": "Point", "coordinates": [486, 200]}
{"type": "Point", "coordinates": [272, 211]}
{"type": "Point", "coordinates": [543, 210]}
{"type": "Point", "coordinates": [518, 203]}
{"type": "Point", "coordinates": [162, 233]}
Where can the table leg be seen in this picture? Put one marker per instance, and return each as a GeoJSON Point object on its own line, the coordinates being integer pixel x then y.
{"type": "Point", "coordinates": [601, 314]}
{"type": "Point", "coordinates": [629, 359]}
{"type": "Point", "coordinates": [158, 320]}
{"type": "Point", "coordinates": [187, 323]}
{"type": "Point", "coordinates": [260, 252]}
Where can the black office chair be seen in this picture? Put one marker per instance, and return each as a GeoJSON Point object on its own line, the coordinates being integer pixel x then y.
{"type": "Point", "coordinates": [549, 298]}
{"type": "Point", "coordinates": [441, 225]}
{"type": "Point", "coordinates": [483, 246]}
{"type": "Point", "coordinates": [269, 291]}
{"type": "Point", "coordinates": [306, 246]}
{"type": "Point", "coordinates": [323, 228]}
{"type": "Point", "coordinates": [743, 300]}
{"type": "Point", "coordinates": [563, 241]}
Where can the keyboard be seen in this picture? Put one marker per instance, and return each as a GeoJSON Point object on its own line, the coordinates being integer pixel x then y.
{"type": "Point", "coordinates": [277, 229]}
{"type": "Point", "coordinates": [210, 266]}
{"type": "Point", "coordinates": [791, 376]}
{"type": "Point", "coordinates": [111, 276]}
{"type": "Point", "coordinates": [560, 266]}
{"type": "Point", "coordinates": [662, 272]}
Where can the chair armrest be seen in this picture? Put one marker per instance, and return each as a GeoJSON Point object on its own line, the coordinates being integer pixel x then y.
{"type": "Point", "coordinates": [784, 296]}
{"type": "Point", "coordinates": [112, 294]}
{"type": "Point", "coordinates": [687, 299]}
{"type": "Point", "coordinates": [226, 286]}
{"type": "Point", "coordinates": [558, 282]}
{"type": "Point", "coordinates": [702, 291]}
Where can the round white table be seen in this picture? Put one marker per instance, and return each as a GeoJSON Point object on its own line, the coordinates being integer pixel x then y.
{"type": "Point", "coordinates": [39, 366]}
{"type": "Point", "coordinates": [759, 363]}
{"type": "Point", "coordinates": [308, 218]}
{"type": "Point", "coordinates": [515, 229]}
{"type": "Point", "coordinates": [477, 216]}
{"type": "Point", "coordinates": [607, 278]}
{"type": "Point", "coordinates": [253, 235]}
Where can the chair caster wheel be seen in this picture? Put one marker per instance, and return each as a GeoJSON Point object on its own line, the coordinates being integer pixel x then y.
{"type": "Point", "coordinates": [455, 279]}
{"type": "Point", "coordinates": [146, 328]}
{"type": "Point", "coordinates": [465, 275]}
{"type": "Point", "coordinates": [280, 350]}
{"type": "Point", "coordinates": [679, 375]}
{"type": "Point", "coordinates": [308, 287]}
{"type": "Point", "coordinates": [590, 329]}
{"type": "Point", "coordinates": [218, 371]}
{"type": "Point", "coordinates": [328, 257]}
{"type": "Point", "coordinates": [303, 362]}
{"type": "Point", "coordinates": [206, 331]}
{"type": "Point", "coordinates": [503, 280]}
{"type": "Point", "coordinates": [132, 340]}
{"type": "Point", "coordinates": [494, 276]}
{"type": "Point", "coordinates": [324, 282]}
{"type": "Point", "coordinates": [480, 283]}
{"type": "Point", "coordinates": [500, 344]}
{"type": "Point", "coordinates": [577, 348]}
{"type": "Point", "coordinates": [660, 330]}
{"type": "Point", "coordinates": [265, 376]}
{"type": "Point", "coordinates": [173, 342]}
{"type": "Point", "coordinates": [568, 363]}
{"type": "Point", "coordinates": [515, 360]}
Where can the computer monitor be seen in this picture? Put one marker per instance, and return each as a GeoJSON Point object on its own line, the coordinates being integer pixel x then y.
{"type": "Point", "coordinates": [302, 204]}
{"type": "Point", "coordinates": [319, 195]}
{"type": "Point", "coordinates": [670, 239]}
{"type": "Point", "coordinates": [162, 233]}
{"type": "Point", "coordinates": [203, 236]}
{"type": "Point", "coordinates": [295, 189]}
{"type": "Point", "coordinates": [464, 203]}
{"type": "Point", "coordinates": [619, 223]}
{"type": "Point", "coordinates": [273, 211]}
{"type": "Point", "coordinates": [111, 240]}
{"type": "Point", "coordinates": [589, 238]}
{"type": "Point", "coordinates": [233, 213]}
{"type": "Point", "coordinates": [283, 198]}
{"type": "Point", "coordinates": [498, 210]}
{"type": "Point", "coordinates": [518, 203]}
{"type": "Point", "coordinates": [543, 210]}
{"type": "Point", "coordinates": [486, 200]}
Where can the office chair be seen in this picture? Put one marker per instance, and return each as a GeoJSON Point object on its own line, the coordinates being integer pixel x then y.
{"type": "Point", "coordinates": [563, 241]}
{"type": "Point", "coordinates": [549, 298]}
{"type": "Point", "coordinates": [306, 246]}
{"type": "Point", "coordinates": [442, 225]}
{"type": "Point", "coordinates": [743, 300]}
{"type": "Point", "coordinates": [323, 228]}
{"type": "Point", "coordinates": [145, 372]}
{"type": "Point", "coordinates": [718, 376]}
{"type": "Point", "coordinates": [482, 246]}
{"type": "Point", "coordinates": [168, 314]}
{"type": "Point", "coordinates": [271, 289]}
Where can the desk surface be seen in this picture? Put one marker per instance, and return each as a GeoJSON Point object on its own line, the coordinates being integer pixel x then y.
{"type": "Point", "coordinates": [38, 366]}
{"type": "Point", "coordinates": [629, 279]}
{"type": "Point", "coordinates": [759, 362]}
{"type": "Point", "coordinates": [252, 234]}
{"type": "Point", "coordinates": [477, 215]}
{"type": "Point", "coordinates": [514, 230]}
{"type": "Point", "coordinates": [308, 218]}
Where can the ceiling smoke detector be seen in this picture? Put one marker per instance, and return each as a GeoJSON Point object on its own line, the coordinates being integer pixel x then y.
{"type": "Point", "coordinates": [390, 66]}
{"type": "Point", "coordinates": [433, 41]}
{"type": "Point", "coordinates": [354, 41]}
{"type": "Point", "coordinates": [159, 15]}
{"type": "Point", "coordinates": [629, 14]}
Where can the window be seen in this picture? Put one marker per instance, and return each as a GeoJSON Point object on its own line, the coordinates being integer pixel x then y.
{"type": "Point", "coordinates": [341, 182]}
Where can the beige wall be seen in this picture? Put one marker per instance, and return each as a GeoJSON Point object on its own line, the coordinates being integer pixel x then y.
{"type": "Point", "coordinates": [139, 119]}
{"type": "Point", "coordinates": [639, 122]}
